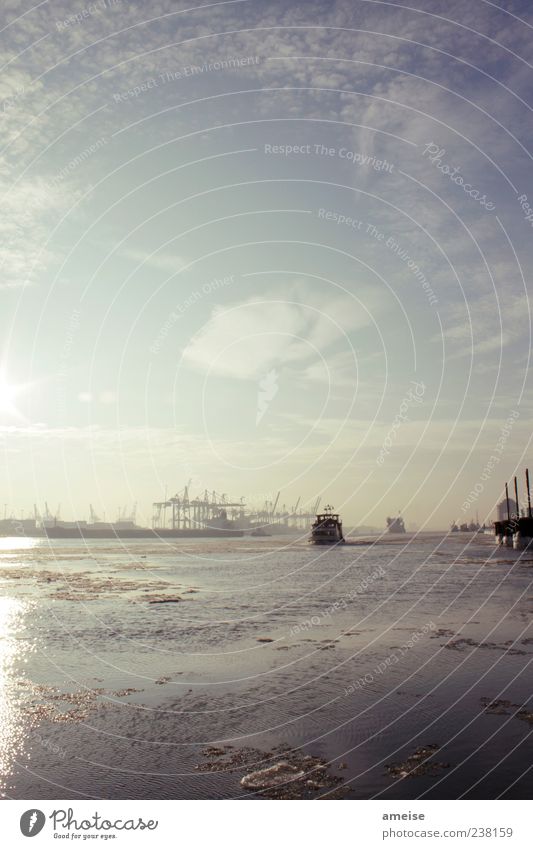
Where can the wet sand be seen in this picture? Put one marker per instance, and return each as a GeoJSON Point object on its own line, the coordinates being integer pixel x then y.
{"type": "Point", "coordinates": [397, 668]}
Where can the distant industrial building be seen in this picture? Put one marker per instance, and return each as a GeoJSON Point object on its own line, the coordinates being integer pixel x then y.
{"type": "Point", "coordinates": [502, 509]}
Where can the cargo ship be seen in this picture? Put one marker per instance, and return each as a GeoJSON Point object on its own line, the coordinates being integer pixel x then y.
{"type": "Point", "coordinates": [327, 528]}
{"type": "Point", "coordinates": [88, 532]}
{"type": "Point", "coordinates": [395, 525]}
{"type": "Point", "coordinates": [106, 530]}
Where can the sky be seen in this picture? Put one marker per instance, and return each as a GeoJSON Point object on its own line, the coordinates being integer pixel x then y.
{"type": "Point", "coordinates": [265, 246]}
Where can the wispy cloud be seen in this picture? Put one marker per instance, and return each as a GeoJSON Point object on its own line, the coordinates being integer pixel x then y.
{"type": "Point", "coordinates": [250, 338]}
{"type": "Point", "coordinates": [489, 324]}
{"type": "Point", "coordinates": [29, 211]}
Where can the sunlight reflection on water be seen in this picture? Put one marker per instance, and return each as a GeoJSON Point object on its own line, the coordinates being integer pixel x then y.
{"type": "Point", "coordinates": [12, 649]}
{"type": "Point", "coordinates": [18, 543]}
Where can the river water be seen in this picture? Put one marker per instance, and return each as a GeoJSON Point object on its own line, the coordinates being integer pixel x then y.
{"type": "Point", "coordinates": [145, 669]}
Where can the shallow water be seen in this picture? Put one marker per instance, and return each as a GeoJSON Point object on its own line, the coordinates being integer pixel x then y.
{"type": "Point", "coordinates": [122, 661]}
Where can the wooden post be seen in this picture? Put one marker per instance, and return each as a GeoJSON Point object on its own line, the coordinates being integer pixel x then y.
{"type": "Point", "coordinates": [507, 500]}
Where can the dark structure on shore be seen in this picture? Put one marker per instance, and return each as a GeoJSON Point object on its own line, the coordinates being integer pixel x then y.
{"type": "Point", "coordinates": [515, 530]}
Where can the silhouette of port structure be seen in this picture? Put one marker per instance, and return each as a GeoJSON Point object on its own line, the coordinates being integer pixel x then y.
{"type": "Point", "coordinates": [215, 510]}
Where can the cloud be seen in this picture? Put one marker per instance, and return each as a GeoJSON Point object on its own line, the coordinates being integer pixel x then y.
{"type": "Point", "coordinates": [29, 210]}
{"type": "Point", "coordinates": [487, 327]}
{"type": "Point", "coordinates": [250, 338]}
